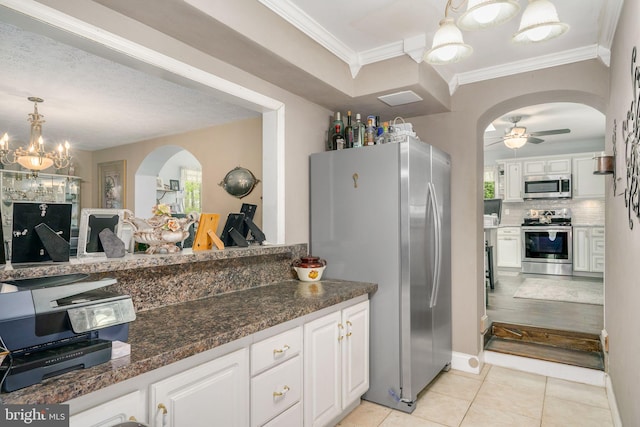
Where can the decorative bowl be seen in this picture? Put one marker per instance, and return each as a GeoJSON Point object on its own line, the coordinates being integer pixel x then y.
{"type": "Point", "coordinates": [309, 274]}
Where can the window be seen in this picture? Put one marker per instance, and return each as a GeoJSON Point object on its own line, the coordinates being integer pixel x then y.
{"type": "Point", "coordinates": [192, 180]}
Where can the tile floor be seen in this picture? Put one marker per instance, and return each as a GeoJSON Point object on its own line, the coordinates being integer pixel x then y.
{"type": "Point", "coordinates": [496, 397]}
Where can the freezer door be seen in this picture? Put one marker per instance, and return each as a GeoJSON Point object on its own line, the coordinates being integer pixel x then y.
{"type": "Point", "coordinates": [355, 226]}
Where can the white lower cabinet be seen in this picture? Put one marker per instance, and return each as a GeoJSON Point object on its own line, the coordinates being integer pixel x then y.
{"type": "Point", "coordinates": [307, 375]}
{"type": "Point", "coordinates": [588, 249]}
{"type": "Point", "coordinates": [509, 247]}
{"type": "Point", "coordinates": [131, 406]}
{"type": "Point", "coordinates": [276, 385]}
{"type": "Point", "coordinates": [336, 364]}
{"type": "Point", "coordinates": [214, 393]}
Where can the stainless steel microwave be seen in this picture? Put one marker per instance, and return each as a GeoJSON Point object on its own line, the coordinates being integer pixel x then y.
{"type": "Point", "coordinates": [547, 187]}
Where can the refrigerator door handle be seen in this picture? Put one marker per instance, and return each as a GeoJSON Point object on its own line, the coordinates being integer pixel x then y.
{"type": "Point", "coordinates": [437, 228]}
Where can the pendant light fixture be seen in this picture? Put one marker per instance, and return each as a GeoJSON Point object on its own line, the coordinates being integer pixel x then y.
{"type": "Point", "coordinates": [482, 14]}
{"type": "Point", "coordinates": [539, 22]}
{"type": "Point", "coordinates": [448, 46]}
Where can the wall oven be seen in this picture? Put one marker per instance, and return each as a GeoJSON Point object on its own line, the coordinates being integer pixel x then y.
{"type": "Point", "coordinates": [547, 244]}
{"type": "Point", "coordinates": [547, 187]}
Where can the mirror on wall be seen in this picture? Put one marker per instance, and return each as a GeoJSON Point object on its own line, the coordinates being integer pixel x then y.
{"type": "Point", "coordinates": [94, 87]}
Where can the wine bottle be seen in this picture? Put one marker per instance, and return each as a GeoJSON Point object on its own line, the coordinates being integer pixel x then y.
{"type": "Point", "coordinates": [348, 132]}
{"type": "Point", "coordinates": [337, 121]}
{"type": "Point", "coordinates": [338, 142]}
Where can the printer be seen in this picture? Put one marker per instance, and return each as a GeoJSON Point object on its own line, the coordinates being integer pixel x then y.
{"type": "Point", "coordinates": [53, 325]}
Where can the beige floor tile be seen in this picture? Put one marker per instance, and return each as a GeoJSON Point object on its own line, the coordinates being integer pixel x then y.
{"type": "Point", "coordinates": [367, 414]}
{"type": "Point", "coordinates": [481, 376]}
{"type": "Point", "coordinates": [400, 419]}
{"type": "Point", "coordinates": [498, 374]}
{"type": "Point", "coordinates": [479, 416]}
{"type": "Point", "coordinates": [519, 398]}
{"type": "Point", "coordinates": [576, 392]}
{"type": "Point", "coordinates": [441, 408]}
{"type": "Point", "coordinates": [564, 413]}
{"type": "Point", "coordinates": [456, 386]}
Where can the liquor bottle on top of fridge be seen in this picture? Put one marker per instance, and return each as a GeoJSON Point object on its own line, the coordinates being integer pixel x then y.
{"type": "Point", "coordinates": [337, 121]}
{"type": "Point", "coordinates": [358, 132]}
{"type": "Point", "coordinates": [370, 133]}
{"type": "Point", "coordinates": [348, 132]}
{"type": "Point", "coordinates": [337, 142]}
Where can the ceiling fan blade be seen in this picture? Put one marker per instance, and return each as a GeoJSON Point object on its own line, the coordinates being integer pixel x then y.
{"type": "Point", "coordinates": [493, 143]}
{"type": "Point", "coordinates": [550, 132]}
{"type": "Point", "coordinates": [532, 140]}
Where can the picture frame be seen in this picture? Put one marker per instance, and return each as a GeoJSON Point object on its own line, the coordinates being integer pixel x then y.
{"type": "Point", "coordinates": [92, 222]}
{"type": "Point", "coordinates": [174, 185]}
{"type": "Point", "coordinates": [112, 188]}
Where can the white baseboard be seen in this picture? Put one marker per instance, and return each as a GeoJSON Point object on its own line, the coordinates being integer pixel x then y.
{"type": "Point", "coordinates": [549, 369]}
{"type": "Point", "coordinates": [466, 363]}
{"type": "Point", "coordinates": [613, 404]}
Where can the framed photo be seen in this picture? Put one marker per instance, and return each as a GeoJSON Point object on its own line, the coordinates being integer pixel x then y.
{"type": "Point", "coordinates": [174, 184]}
{"type": "Point", "coordinates": [112, 178]}
{"type": "Point", "coordinates": [92, 222]}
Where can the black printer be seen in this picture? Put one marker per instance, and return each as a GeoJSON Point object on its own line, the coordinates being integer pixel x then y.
{"type": "Point", "coordinates": [53, 325]}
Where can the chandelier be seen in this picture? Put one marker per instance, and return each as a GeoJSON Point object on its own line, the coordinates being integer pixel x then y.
{"type": "Point", "coordinates": [34, 157]}
{"type": "Point", "coordinates": [539, 22]}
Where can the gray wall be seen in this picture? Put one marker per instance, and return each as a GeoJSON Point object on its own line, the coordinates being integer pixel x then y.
{"type": "Point", "coordinates": [622, 292]}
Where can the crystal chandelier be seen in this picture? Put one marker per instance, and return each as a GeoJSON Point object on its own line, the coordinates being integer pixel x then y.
{"type": "Point", "coordinates": [34, 157]}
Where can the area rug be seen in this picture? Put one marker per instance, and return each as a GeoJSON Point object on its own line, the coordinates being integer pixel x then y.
{"type": "Point", "coordinates": [561, 290]}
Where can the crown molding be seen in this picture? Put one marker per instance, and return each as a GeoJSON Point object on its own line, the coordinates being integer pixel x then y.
{"type": "Point", "coordinates": [303, 22]}
{"type": "Point", "coordinates": [608, 23]}
{"type": "Point", "coordinates": [531, 64]}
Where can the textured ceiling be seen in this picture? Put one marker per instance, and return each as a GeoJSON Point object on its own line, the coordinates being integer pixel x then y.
{"type": "Point", "coordinates": [93, 102]}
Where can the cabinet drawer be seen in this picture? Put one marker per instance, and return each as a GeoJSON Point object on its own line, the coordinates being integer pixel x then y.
{"type": "Point", "coordinates": [275, 390]}
{"type": "Point", "coordinates": [292, 417]}
{"type": "Point", "coordinates": [271, 351]}
{"type": "Point", "coordinates": [597, 231]}
{"type": "Point", "coordinates": [597, 245]}
{"type": "Point", "coordinates": [509, 231]}
{"type": "Point", "coordinates": [597, 263]}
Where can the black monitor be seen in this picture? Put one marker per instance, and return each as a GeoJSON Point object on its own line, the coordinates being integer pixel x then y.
{"type": "Point", "coordinates": [26, 246]}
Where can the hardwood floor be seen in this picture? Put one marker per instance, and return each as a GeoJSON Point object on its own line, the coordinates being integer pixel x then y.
{"type": "Point", "coordinates": [566, 316]}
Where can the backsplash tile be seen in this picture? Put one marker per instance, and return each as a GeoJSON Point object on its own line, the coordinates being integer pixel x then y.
{"type": "Point", "coordinates": [583, 212]}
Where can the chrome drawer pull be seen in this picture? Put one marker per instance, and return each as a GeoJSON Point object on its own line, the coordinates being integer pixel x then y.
{"type": "Point", "coordinates": [281, 350]}
{"type": "Point", "coordinates": [284, 391]}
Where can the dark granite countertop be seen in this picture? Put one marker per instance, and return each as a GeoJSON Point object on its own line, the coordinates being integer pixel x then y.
{"type": "Point", "coordinates": [169, 334]}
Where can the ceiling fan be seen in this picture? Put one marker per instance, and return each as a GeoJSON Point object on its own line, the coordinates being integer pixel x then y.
{"type": "Point", "coordinates": [517, 136]}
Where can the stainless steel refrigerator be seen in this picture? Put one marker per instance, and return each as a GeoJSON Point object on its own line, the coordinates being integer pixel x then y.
{"type": "Point", "coordinates": [382, 214]}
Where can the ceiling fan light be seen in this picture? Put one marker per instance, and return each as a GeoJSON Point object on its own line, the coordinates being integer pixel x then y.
{"type": "Point", "coordinates": [539, 22]}
{"type": "Point", "coordinates": [482, 14]}
{"type": "Point", "coordinates": [515, 142]}
{"type": "Point", "coordinates": [448, 46]}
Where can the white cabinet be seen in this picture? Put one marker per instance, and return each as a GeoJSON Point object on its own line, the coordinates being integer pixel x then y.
{"type": "Point", "coordinates": [513, 182]}
{"type": "Point", "coordinates": [336, 365]}
{"type": "Point", "coordinates": [276, 385]}
{"type": "Point", "coordinates": [214, 393]}
{"type": "Point", "coordinates": [588, 249]}
{"type": "Point", "coordinates": [509, 247]}
{"type": "Point", "coordinates": [546, 166]}
{"type": "Point", "coordinates": [586, 185]}
{"type": "Point", "coordinates": [131, 406]}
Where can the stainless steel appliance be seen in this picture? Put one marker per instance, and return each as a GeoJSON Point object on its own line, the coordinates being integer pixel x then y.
{"type": "Point", "coordinates": [382, 214]}
{"type": "Point", "coordinates": [547, 187]}
{"type": "Point", "coordinates": [547, 242]}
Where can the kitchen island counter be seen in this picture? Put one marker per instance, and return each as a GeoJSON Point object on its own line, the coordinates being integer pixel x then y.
{"type": "Point", "coordinates": [168, 334]}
